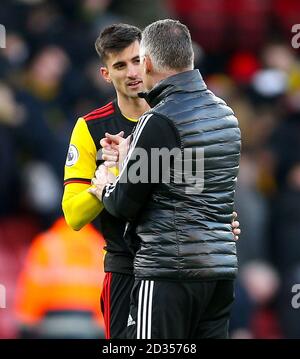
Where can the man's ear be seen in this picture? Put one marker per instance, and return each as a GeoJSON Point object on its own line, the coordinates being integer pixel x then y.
{"type": "Point", "coordinates": [148, 67]}
{"type": "Point", "coordinates": [105, 74]}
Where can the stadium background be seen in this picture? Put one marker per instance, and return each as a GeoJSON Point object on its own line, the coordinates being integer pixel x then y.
{"type": "Point", "coordinates": [48, 77]}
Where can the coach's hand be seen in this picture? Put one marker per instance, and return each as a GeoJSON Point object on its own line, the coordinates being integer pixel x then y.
{"type": "Point", "coordinates": [235, 226]}
{"type": "Point", "coordinates": [100, 180]}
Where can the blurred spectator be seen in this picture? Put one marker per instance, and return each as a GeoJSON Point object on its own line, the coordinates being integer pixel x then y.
{"type": "Point", "coordinates": [289, 315]}
{"type": "Point", "coordinates": [44, 77]}
{"type": "Point", "coordinates": [253, 213]}
{"type": "Point", "coordinates": [10, 118]}
{"type": "Point", "coordinates": [44, 24]}
{"type": "Point", "coordinates": [41, 196]}
{"type": "Point", "coordinates": [25, 137]}
{"type": "Point", "coordinates": [242, 67]}
{"type": "Point", "coordinates": [58, 293]}
{"type": "Point", "coordinates": [286, 225]}
{"type": "Point", "coordinates": [16, 233]}
{"type": "Point", "coordinates": [13, 56]}
{"type": "Point", "coordinates": [253, 314]}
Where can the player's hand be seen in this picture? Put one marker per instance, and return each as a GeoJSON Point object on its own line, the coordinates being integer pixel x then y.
{"type": "Point", "coordinates": [110, 151]}
{"type": "Point", "coordinates": [107, 141]}
{"type": "Point", "coordinates": [235, 226]}
{"type": "Point", "coordinates": [100, 180]}
{"type": "Point", "coordinates": [110, 156]}
{"type": "Point", "coordinates": [116, 148]}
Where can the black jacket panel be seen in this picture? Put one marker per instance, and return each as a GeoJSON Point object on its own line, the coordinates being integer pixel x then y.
{"type": "Point", "coordinates": [185, 228]}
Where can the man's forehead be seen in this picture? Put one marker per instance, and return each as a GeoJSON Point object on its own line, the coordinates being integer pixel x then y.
{"type": "Point", "coordinates": [127, 54]}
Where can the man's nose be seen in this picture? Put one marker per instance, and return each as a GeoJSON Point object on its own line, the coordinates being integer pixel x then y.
{"type": "Point", "coordinates": [132, 72]}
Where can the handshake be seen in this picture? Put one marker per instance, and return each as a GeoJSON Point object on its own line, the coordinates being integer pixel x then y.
{"type": "Point", "coordinates": [114, 152]}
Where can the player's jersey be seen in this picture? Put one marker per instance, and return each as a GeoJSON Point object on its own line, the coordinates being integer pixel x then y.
{"type": "Point", "coordinates": [82, 161]}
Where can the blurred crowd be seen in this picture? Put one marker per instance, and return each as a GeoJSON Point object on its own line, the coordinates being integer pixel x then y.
{"type": "Point", "coordinates": [49, 76]}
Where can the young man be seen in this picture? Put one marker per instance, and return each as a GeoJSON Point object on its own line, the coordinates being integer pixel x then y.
{"type": "Point", "coordinates": [118, 48]}
{"type": "Point", "coordinates": [183, 226]}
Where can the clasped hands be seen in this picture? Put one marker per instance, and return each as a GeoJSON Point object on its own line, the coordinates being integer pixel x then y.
{"type": "Point", "coordinates": [114, 151]}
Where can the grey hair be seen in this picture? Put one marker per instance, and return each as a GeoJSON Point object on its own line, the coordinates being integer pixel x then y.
{"type": "Point", "coordinates": [169, 45]}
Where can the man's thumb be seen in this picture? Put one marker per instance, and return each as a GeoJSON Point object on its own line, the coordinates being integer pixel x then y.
{"type": "Point", "coordinates": [115, 138]}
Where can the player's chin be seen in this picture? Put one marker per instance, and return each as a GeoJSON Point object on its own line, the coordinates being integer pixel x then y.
{"type": "Point", "coordinates": [133, 94]}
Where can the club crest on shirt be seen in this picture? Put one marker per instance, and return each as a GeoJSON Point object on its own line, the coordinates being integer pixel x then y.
{"type": "Point", "coordinates": [72, 156]}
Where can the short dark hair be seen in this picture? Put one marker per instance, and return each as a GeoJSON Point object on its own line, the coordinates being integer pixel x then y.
{"type": "Point", "coordinates": [115, 38]}
{"type": "Point", "coordinates": [168, 42]}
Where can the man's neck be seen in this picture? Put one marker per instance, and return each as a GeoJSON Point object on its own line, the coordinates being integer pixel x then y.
{"type": "Point", "coordinates": [132, 107]}
{"type": "Point", "coordinates": [159, 76]}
